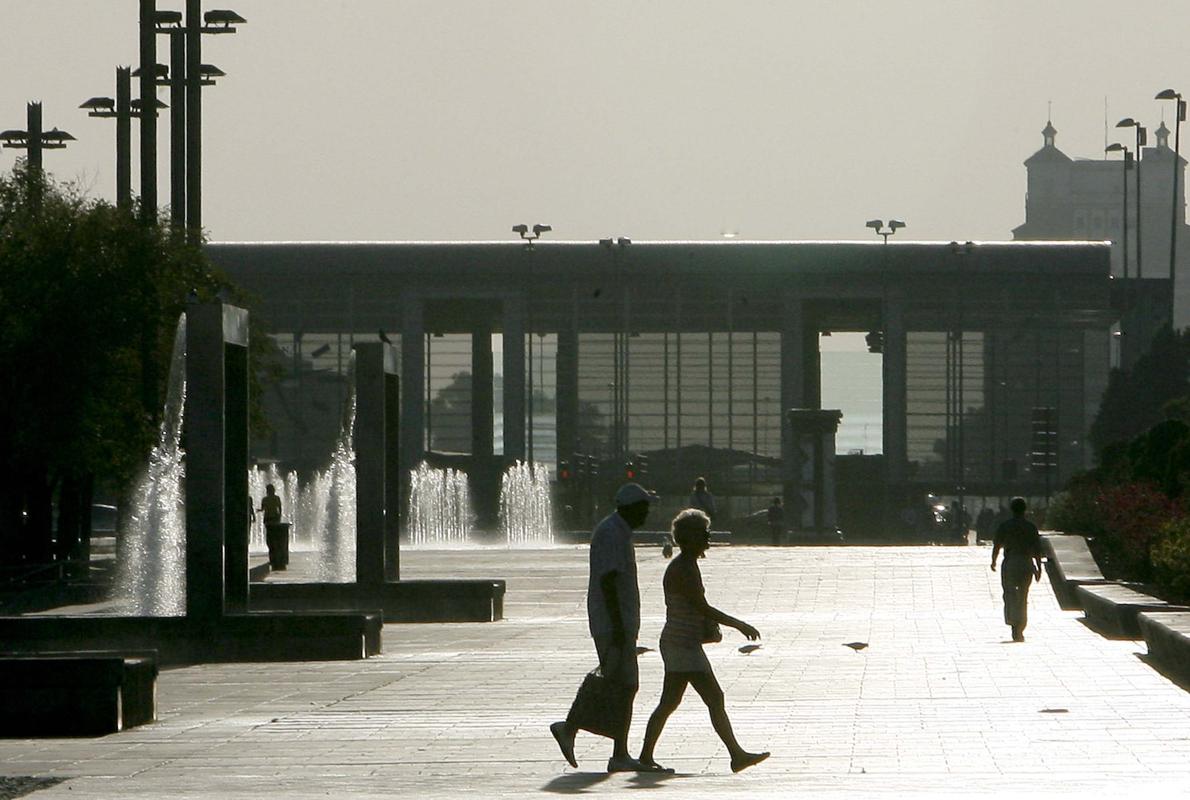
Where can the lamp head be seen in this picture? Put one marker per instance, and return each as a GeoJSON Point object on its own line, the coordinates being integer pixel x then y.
{"type": "Point", "coordinates": [874, 224]}
{"type": "Point", "coordinates": [1168, 94]}
{"type": "Point", "coordinates": [521, 229]}
{"type": "Point", "coordinates": [896, 224]}
{"type": "Point", "coordinates": [623, 241]}
{"type": "Point", "coordinates": [167, 20]}
{"type": "Point", "coordinates": [1127, 122]}
{"type": "Point", "coordinates": [99, 106]}
{"type": "Point", "coordinates": [55, 139]}
{"type": "Point", "coordinates": [1115, 147]}
{"type": "Point", "coordinates": [221, 20]}
{"type": "Point", "coordinates": [540, 229]}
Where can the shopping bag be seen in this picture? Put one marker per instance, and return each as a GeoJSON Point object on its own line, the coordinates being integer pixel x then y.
{"type": "Point", "coordinates": [600, 705]}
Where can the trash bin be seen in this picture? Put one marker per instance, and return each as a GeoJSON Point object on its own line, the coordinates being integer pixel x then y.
{"type": "Point", "coordinates": [276, 536]}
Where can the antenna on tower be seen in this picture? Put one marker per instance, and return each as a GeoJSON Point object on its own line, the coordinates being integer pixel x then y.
{"type": "Point", "coordinates": [1105, 127]}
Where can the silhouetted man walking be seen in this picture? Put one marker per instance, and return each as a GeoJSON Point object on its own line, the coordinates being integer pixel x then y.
{"type": "Point", "coordinates": [1022, 560]}
{"type": "Point", "coordinates": [613, 615]}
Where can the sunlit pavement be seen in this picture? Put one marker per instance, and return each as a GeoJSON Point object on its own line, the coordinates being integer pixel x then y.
{"type": "Point", "coordinates": [939, 703]}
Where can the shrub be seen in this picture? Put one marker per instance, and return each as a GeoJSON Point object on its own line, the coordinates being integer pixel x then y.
{"type": "Point", "coordinates": [1075, 511]}
{"type": "Point", "coordinates": [1171, 560]}
{"type": "Point", "coordinates": [1132, 516]}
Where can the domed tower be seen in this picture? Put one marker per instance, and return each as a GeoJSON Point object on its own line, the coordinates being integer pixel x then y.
{"type": "Point", "coordinates": [1048, 213]}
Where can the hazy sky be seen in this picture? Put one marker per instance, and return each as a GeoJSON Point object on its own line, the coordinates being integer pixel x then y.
{"type": "Point", "coordinates": [378, 119]}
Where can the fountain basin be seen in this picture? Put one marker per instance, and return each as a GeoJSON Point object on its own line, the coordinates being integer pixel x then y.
{"type": "Point", "coordinates": [460, 600]}
{"type": "Point", "coordinates": [264, 636]}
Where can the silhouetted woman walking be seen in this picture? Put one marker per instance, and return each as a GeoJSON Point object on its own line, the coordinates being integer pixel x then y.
{"type": "Point", "coordinates": [690, 621]}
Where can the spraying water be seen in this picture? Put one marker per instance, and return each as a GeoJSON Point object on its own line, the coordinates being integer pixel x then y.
{"type": "Point", "coordinates": [439, 507]}
{"type": "Point", "coordinates": [151, 576]}
{"type": "Point", "coordinates": [526, 517]}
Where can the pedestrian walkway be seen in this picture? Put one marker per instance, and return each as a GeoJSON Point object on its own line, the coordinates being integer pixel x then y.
{"type": "Point", "coordinates": [940, 703]}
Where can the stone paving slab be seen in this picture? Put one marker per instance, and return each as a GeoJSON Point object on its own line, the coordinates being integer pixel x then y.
{"type": "Point", "coordinates": [940, 703]}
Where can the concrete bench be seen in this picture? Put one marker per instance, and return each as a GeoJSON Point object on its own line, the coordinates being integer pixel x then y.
{"type": "Point", "coordinates": [1167, 635]}
{"type": "Point", "coordinates": [76, 694]}
{"type": "Point", "coordinates": [1069, 564]}
{"type": "Point", "coordinates": [1112, 609]}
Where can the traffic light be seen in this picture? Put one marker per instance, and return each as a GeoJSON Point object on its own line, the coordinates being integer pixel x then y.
{"type": "Point", "coordinates": [642, 467]}
{"type": "Point", "coordinates": [630, 470]}
{"type": "Point", "coordinates": [564, 473]}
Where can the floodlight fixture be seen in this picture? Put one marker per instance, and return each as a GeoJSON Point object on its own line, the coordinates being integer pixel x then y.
{"type": "Point", "coordinates": [54, 139]}
{"type": "Point", "coordinates": [521, 229]}
{"type": "Point", "coordinates": [221, 21]}
{"type": "Point", "coordinates": [167, 21]}
{"type": "Point", "coordinates": [100, 107]}
{"type": "Point", "coordinates": [874, 224]}
{"type": "Point", "coordinates": [540, 229]}
{"type": "Point", "coordinates": [895, 224]}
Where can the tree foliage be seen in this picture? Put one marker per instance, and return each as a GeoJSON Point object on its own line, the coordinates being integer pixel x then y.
{"type": "Point", "coordinates": [89, 297]}
{"type": "Point", "coordinates": [1139, 398]}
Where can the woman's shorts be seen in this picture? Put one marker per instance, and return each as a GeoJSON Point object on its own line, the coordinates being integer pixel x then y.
{"type": "Point", "coordinates": [682, 657]}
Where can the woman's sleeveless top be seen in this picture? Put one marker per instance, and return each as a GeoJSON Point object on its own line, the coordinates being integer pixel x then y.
{"type": "Point", "coordinates": [683, 621]}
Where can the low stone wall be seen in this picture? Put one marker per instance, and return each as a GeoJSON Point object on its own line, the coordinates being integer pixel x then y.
{"type": "Point", "coordinates": [77, 694]}
{"type": "Point", "coordinates": [1112, 609]}
{"type": "Point", "coordinates": [1069, 564]}
{"type": "Point", "coordinates": [1167, 636]}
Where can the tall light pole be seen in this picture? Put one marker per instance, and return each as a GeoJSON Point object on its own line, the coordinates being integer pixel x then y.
{"type": "Point", "coordinates": [1170, 94]}
{"type": "Point", "coordinates": [198, 75]}
{"type": "Point", "coordinates": [1116, 147]}
{"type": "Point", "coordinates": [878, 226]}
{"type": "Point", "coordinates": [1142, 139]}
{"type": "Point", "coordinates": [123, 109]}
{"type": "Point", "coordinates": [529, 238]}
{"type": "Point", "coordinates": [33, 139]}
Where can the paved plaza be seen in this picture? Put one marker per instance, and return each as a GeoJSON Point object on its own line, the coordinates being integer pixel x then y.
{"type": "Point", "coordinates": [940, 703]}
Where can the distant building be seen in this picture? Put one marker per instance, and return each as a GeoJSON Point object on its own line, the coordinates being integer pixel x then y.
{"type": "Point", "coordinates": [1083, 200]}
{"type": "Point", "coordinates": [691, 353]}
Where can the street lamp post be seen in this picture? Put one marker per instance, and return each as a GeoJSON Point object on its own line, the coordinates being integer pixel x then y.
{"type": "Point", "coordinates": [878, 226]}
{"type": "Point", "coordinates": [33, 139]}
{"type": "Point", "coordinates": [529, 238]}
{"type": "Point", "coordinates": [1170, 94]}
{"type": "Point", "coordinates": [122, 109]}
{"type": "Point", "coordinates": [1116, 147]}
{"type": "Point", "coordinates": [1142, 138]}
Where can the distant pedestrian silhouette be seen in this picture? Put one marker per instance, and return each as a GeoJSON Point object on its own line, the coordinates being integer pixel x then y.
{"type": "Point", "coordinates": [776, 518]}
{"type": "Point", "coordinates": [1022, 560]}
{"type": "Point", "coordinates": [690, 621]}
{"type": "Point", "coordinates": [276, 533]}
{"type": "Point", "coordinates": [702, 499]}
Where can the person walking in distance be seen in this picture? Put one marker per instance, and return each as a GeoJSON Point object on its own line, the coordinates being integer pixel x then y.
{"type": "Point", "coordinates": [689, 622]}
{"type": "Point", "coordinates": [613, 617]}
{"type": "Point", "coordinates": [776, 518]}
{"type": "Point", "coordinates": [702, 499]}
{"type": "Point", "coordinates": [1021, 543]}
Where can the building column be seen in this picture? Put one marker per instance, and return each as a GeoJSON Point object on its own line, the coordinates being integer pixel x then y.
{"type": "Point", "coordinates": [413, 383]}
{"type": "Point", "coordinates": [216, 424]}
{"type": "Point", "coordinates": [793, 390]}
{"type": "Point", "coordinates": [895, 371]}
{"type": "Point", "coordinates": [514, 378]}
{"type": "Point", "coordinates": [567, 393]}
{"type": "Point", "coordinates": [377, 487]}
{"type": "Point", "coordinates": [482, 392]}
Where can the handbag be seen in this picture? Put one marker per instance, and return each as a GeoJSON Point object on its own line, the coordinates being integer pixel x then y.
{"type": "Point", "coordinates": [711, 632]}
{"type": "Point", "coordinates": [600, 705]}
